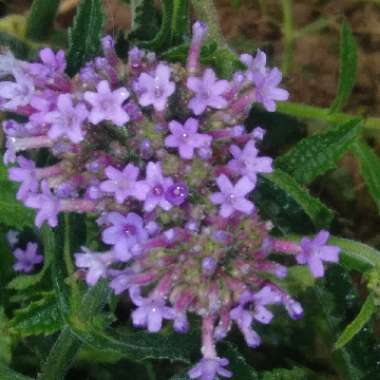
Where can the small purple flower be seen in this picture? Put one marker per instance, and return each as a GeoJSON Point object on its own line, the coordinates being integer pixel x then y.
{"type": "Point", "coordinates": [265, 296]}
{"type": "Point", "coordinates": [267, 90]}
{"type": "Point", "coordinates": [25, 173]}
{"type": "Point", "coordinates": [247, 163]}
{"type": "Point", "coordinates": [209, 369]}
{"type": "Point", "coordinates": [315, 252]}
{"type": "Point", "coordinates": [16, 94]}
{"type": "Point", "coordinates": [155, 89]}
{"type": "Point", "coordinates": [96, 264]}
{"type": "Point", "coordinates": [124, 183]}
{"type": "Point", "coordinates": [208, 92]}
{"type": "Point", "coordinates": [126, 233]}
{"type": "Point", "coordinates": [67, 120]}
{"type": "Point", "coordinates": [244, 318]}
{"type": "Point", "coordinates": [107, 104]}
{"type": "Point", "coordinates": [232, 197]}
{"type": "Point", "coordinates": [8, 63]}
{"type": "Point", "coordinates": [47, 204]}
{"type": "Point", "coordinates": [158, 185]}
{"type": "Point", "coordinates": [27, 259]}
{"type": "Point", "coordinates": [185, 138]}
{"type": "Point", "coordinates": [51, 65]}
{"type": "Point", "coordinates": [150, 312]}
{"type": "Point", "coordinates": [255, 64]}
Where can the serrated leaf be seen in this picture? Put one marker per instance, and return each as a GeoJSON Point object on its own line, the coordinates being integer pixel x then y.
{"type": "Point", "coordinates": [5, 339]}
{"type": "Point", "coordinates": [281, 199]}
{"type": "Point", "coordinates": [286, 374]}
{"type": "Point", "coordinates": [144, 20]}
{"type": "Point", "coordinates": [348, 67]}
{"type": "Point", "coordinates": [319, 153]}
{"type": "Point", "coordinates": [38, 318]}
{"type": "Point", "coordinates": [12, 212]}
{"type": "Point", "coordinates": [365, 314]}
{"type": "Point", "coordinates": [369, 164]}
{"type": "Point", "coordinates": [41, 18]}
{"type": "Point", "coordinates": [85, 35]}
{"type": "Point", "coordinates": [174, 27]}
{"type": "Point", "coordinates": [8, 374]}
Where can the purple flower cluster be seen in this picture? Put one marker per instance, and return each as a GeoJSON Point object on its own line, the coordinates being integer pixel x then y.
{"type": "Point", "coordinates": [157, 151]}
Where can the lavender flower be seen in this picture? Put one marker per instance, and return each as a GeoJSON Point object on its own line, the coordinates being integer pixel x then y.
{"type": "Point", "coordinates": [12, 237]}
{"type": "Point", "coordinates": [107, 104]}
{"type": "Point", "coordinates": [208, 92]}
{"type": "Point", "coordinates": [209, 369]}
{"type": "Point", "coordinates": [177, 193]}
{"type": "Point", "coordinates": [67, 120]}
{"type": "Point", "coordinates": [124, 183]}
{"type": "Point", "coordinates": [150, 312]}
{"type": "Point", "coordinates": [51, 65]}
{"type": "Point", "coordinates": [27, 259]}
{"type": "Point", "coordinates": [186, 138]}
{"type": "Point", "coordinates": [155, 89]}
{"type": "Point", "coordinates": [47, 205]}
{"type": "Point", "coordinates": [16, 94]}
{"type": "Point", "coordinates": [232, 197]}
{"type": "Point", "coordinates": [158, 185]}
{"type": "Point", "coordinates": [255, 65]}
{"type": "Point", "coordinates": [26, 174]}
{"type": "Point", "coordinates": [246, 163]}
{"type": "Point", "coordinates": [95, 263]}
{"type": "Point", "coordinates": [126, 233]}
{"type": "Point", "coordinates": [267, 91]}
{"type": "Point", "coordinates": [315, 252]}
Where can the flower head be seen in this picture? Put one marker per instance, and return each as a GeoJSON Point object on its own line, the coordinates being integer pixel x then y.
{"type": "Point", "coordinates": [208, 92]}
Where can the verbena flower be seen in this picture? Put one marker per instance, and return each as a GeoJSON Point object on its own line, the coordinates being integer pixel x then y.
{"type": "Point", "coordinates": [159, 153]}
{"type": "Point", "coordinates": [27, 259]}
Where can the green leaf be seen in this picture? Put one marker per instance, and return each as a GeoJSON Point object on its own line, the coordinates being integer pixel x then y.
{"type": "Point", "coordinates": [365, 314]}
{"type": "Point", "coordinates": [18, 47]}
{"type": "Point", "coordinates": [38, 318]}
{"type": "Point", "coordinates": [8, 374]}
{"type": "Point", "coordinates": [356, 255]}
{"type": "Point", "coordinates": [348, 67]}
{"type": "Point", "coordinates": [281, 199]}
{"type": "Point", "coordinates": [12, 212]}
{"type": "Point", "coordinates": [5, 339]}
{"type": "Point", "coordinates": [85, 35]}
{"type": "Point", "coordinates": [286, 374]}
{"type": "Point", "coordinates": [369, 164]}
{"type": "Point", "coordinates": [144, 20]}
{"type": "Point", "coordinates": [319, 153]}
{"type": "Point", "coordinates": [174, 25]}
{"type": "Point", "coordinates": [238, 365]}
{"type": "Point", "coordinates": [41, 19]}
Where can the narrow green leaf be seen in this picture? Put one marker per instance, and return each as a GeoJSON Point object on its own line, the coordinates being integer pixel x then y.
{"type": "Point", "coordinates": [348, 67]}
{"type": "Point", "coordinates": [85, 34]}
{"type": "Point", "coordinates": [365, 314]}
{"type": "Point", "coordinates": [319, 153]}
{"type": "Point", "coordinates": [144, 20]}
{"type": "Point", "coordinates": [12, 212]}
{"type": "Point", "coordinates": [41, 18]}
{"type": "Point", "coordinates": [369, 164]}
{"type": "Point", "coordinates": [8, 374]}
{"type": "Point", "coordinates": [38, 318]}
{"type": "Point", "coordinates": [281, 199]}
